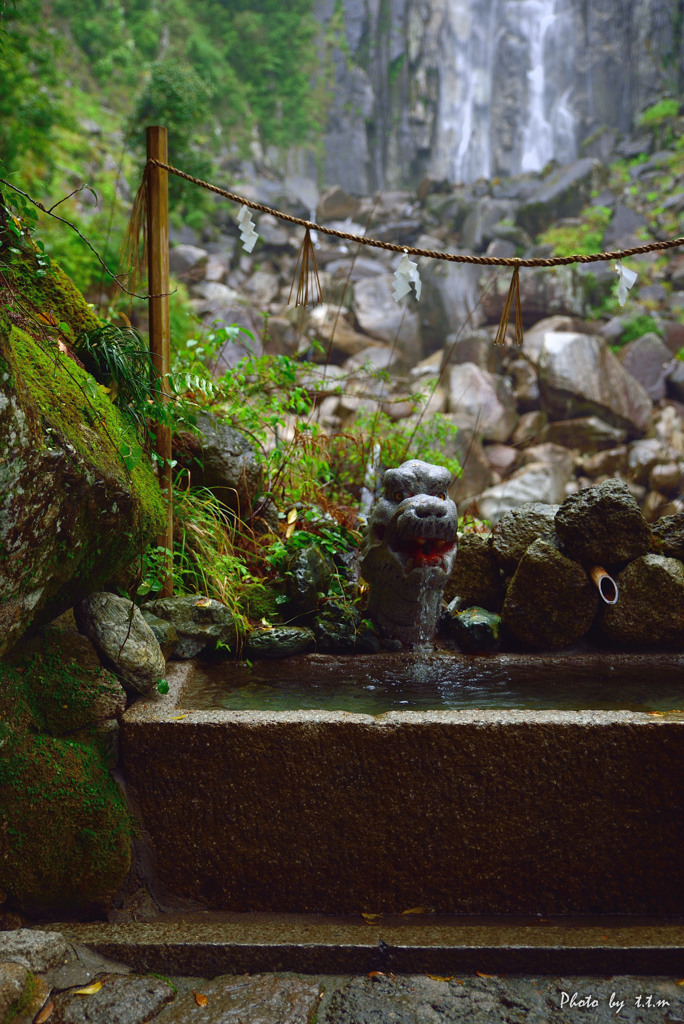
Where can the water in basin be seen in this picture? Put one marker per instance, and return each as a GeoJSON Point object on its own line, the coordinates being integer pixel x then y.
{"type": "Point", "coordinates": [428, 680]}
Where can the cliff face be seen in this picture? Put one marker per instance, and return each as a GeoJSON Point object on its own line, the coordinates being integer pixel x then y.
{"type": "Point", "coordinates": [471, 88]}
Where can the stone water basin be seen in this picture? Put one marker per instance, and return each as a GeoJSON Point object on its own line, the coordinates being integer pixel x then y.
{"type": "Point", "coordinates": [523, 809]}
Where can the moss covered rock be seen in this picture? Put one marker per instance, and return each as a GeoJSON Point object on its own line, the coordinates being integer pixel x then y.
{"type": "Point", "coordinates": [65, 832]}
{"type": "Point", "coordinates": [71, 511]}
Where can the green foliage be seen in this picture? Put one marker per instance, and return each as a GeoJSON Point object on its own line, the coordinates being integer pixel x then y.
{"type": "Point", "coordinates": [658, 113]}
{"type": "Point", "coordinates": [31, 105]}
{"type": "Point", "coordinates": [584, 238]}
{"type": "Point", "coordinates": [637, 327]}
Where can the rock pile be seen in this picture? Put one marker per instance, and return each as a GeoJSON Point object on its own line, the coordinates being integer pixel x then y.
{"type": "Point", "coordinates": [536, 572]}
{"type": "Point", "coordinates": [536, 423]}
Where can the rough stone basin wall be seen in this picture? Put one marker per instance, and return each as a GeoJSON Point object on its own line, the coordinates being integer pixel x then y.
{"type": "Point", "coordinates": [476, 812]}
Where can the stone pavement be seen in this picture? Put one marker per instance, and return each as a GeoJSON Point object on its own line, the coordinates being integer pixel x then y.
{"type": "Point", "coordinates": [45, 978]}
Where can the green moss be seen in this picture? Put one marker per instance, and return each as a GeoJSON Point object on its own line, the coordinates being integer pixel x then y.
{"type": "Point", "coordinates": [22, 1004]}
{"type": "Point", "coordinates": [64, 829]}
{"type": "Point", "coordinates": [73, 406]}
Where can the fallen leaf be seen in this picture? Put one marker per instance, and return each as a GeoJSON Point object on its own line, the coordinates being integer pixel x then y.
{"type": "Point", "coordinates": [370, 918]}
{"type": "Point", "coordinates": [289, 530]}
{"type": "Point", "coordinates": [439, 977]}
{"type": "Point", "coordinates": [481, 975]}
{"type": "Point", "coordinates": [292, 516]}
{"type": "Point", "coordinates": [382, 974]}
{"type": "Point", "coordinates": [203, 602]}
{"type": "Point", "coordinates": [177, 718]}
{"type": "Point", "coordinates": [45, 1013]}
{"type": "Point", "coordinates": [200, 999]}
{"type": "Point", "coordinates": [47, 318]}
{"type": "Point", "coordinates": [90, 990]}
{"type": "Point", "coordinates": [418, 910]}
{"type": "Point", "coordinates": [61, 346]}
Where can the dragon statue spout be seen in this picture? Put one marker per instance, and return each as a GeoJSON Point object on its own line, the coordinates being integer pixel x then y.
{"type": "Point", "coordinates": [409, 551]}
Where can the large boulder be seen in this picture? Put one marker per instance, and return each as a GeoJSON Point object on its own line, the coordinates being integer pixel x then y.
{"type": "Point", "coordinates": [543, 292]}
{"type": "Point", "coordinates": [562, 194]}
{"type": "Point", "coordinates": [229, 466]}
{"type": "Point", "coordinates": [122, 636]}
{"type": "Point", "coordinates": [482, 401]}
{"type": "Point", "coordinates": [475, 578]}
{"type": "Point", "coordinates": [205, 627]}
{"type": "Point", "coordinates": [450, 301]}
{"type": "Point", "coordinates": [539, 481]}
{"type": "Point", "coordinates": [380, 316]}
{"type": "Point", "coordinates": [648, 360]}
{"type": "Point", "coordinates": [602, 525]}
{"type": "Point", "coordinates": [519, 528]}
{"type": "Point", "coordinates": [650, 608]}
{"type": "Point", "coordinates": [580, 376]}
{"type": "Point", "coordinates": [550, 602]}
{"type": "Point", "coordinates": [72, 512]}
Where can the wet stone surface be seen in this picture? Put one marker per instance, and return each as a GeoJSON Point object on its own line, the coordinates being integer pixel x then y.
{"type": "Point", "coordinates": [377, 998]}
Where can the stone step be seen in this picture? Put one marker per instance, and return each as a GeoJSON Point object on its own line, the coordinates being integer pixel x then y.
{"type": "Point", "coordinates": [213, 943]}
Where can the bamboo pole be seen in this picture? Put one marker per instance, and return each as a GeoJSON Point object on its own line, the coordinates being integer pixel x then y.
{"type": "Point", "coordinates": [160, 339]}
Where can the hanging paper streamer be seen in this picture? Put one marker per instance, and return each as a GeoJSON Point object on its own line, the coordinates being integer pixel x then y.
{"type": "Point", "coordinates": [626, 281]}
{"type": "Point", "coordinates": [406, 275]}
{"type": "Point", "coordinates": [513, 296]}
{"type": "Point", "coordinates": [306, 275]}
{"type": "Point", "coordinates": [248, 235]}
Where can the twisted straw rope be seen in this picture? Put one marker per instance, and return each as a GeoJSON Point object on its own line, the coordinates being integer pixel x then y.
{"type": "Point", "coordinates": [488, 261]}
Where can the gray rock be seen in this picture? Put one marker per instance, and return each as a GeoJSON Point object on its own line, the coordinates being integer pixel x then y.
{"type": "Point", "coordinates": [610, 462]}
{"type": "Point", "coordinates": [164, 632]}
{"type": "Point", "coordinates": [36, 950]}
{"type": "Point", "coordinates": [542, 292]}
{"type": "Point", "coordinates": [602, 525]}
{"type": "Point", "coordinates": [211, 296]}
{"type": "Point", "coordinates": [450, 299]}
{"type": "Point", "coordinates": [257, 999]}
{"type": "Point", "coordinates": [187, 261]}
{"type": "Point", "coordinates": [379, 315]}
{"type": "Point", "coordinates": [550, 602]}
{"type": "Point", "coordinates": [121, 1000]}
{"type": "Point", "coordinates": [525, 384]}
{"type": "Point", "coordinates": [579, 375]}
{"type": "Point", "coordinates": [621, 233]}
{"type": "Point", "coordinates": [648, 360]}
{"type": "Point", "coordinates": [476, 472]}
{"type": "Point", "coordinates": [475, 578]}
{"type": "Point", "coordinates": [543, 482]}
{"type": "Point", "coordinates": [472, 347]}
{"type": "Point", "coordinates": [530, 429]}
{"type": "Point", "coordinates": [650, 608]}
{"type": "Point", "coordinates": [642, 457]}
{"type": "Point", "coordinates": [481, 401]}
{"type": "Point", "coordinates": [588, 433]}
{"type": "Point", "coordinates": [307, 576]}
{"type": "Point", "coordinates": [118, 630]}
{"type": "Point", "coordinates": [675, 381]}
{"type": "Point", "coordinates": [261, 288]}
{"type": "Point", "coordinates": [562, 194]}
{"type": "Point", "coordinates": [13, 981]}
{"type": "Point", "coordinates": [229, 466]}
{"type": "Point", "coordinates": [474, 629]}
{"type": "Point", "coordinates": [534, 336]}
{"type": "Point", "coordinates": [668, 536]}
{"type": "Point", "coordinates": [666, 478]}
{"type": "Point", "coordinates": [205, 627]}
{"type": "Point", "coordinates": [519, 528]}
{"type": "Point", "coordinates": [336, 204]}
{"type": "Point", "coordinates": [279, 642]}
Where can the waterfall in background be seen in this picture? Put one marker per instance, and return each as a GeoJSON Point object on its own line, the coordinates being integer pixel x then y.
{"type": "Point", "coordinates": [506, 87]}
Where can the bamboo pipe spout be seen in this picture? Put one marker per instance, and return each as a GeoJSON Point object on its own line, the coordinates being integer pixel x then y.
{"type": "Point", "coordinates": [605, 584]}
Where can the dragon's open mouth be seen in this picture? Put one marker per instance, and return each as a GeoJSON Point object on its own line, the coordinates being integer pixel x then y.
{"type": "Point", "coordinates": [422, 552]}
